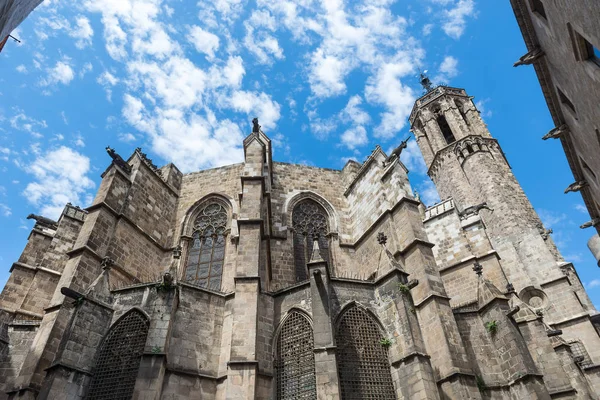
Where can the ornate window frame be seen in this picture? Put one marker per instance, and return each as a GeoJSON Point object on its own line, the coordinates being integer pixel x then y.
{"type": "Point", "coordinates": [188, 231]}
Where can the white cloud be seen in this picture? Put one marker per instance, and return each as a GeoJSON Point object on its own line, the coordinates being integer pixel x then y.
{"type": "Point", "coordinates": [594, 283]}
{"type": "Point", "coordinates": [23, 122]}
{"type": "Point", "coordinates": [126, 137]}
{"type": "Point", "coordinates": [455, 18]}
{"type": "Point", "coordinates": [60, 177]}
{"type": "Point", "coordinates": [60, 73]}
{"type": "Point", "coordinates": [21, 69]}
{"type": "Point", "coordinates": [5, 210]}
{"type": "Point", "coordinates": [550, 218]}
{"type": "Point", "coordinates": [263, 45]}
{"type": "Point", "coordinates": [83, 32]}
{"type": "Point", "coordinates": [354, 113]}
{"type": "Point", "coordinates": [204, 41]}
{"type": "Point", "coordinates": [107, 80]}
{"type": "Point", "coordinates": [481, 106]}
{"type": "Point", "coordinates": [581, 208]}
{"type": "Point", "coordinates": [257, 104]}
{"type": "Point", "coordinates": [354, 137]}
{"type": "Point", "coordinates": [449, 67]}
{"type": "Point", "coordinates": [4, 153]}
{"type": "Point", "coordinates": [411, 157]}
{"type": "Point", "coordinates": [428, 192]}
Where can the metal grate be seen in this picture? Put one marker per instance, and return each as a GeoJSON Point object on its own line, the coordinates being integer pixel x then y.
{"type": "Point", "coordinates": [295, 362]}
{"type": "Point", "coordinates": [363, 364]}
{"type": "Point", "coordinates": [118, 361]}
{"type": "Point", "coordinates": [578, 350]}
{"type": "Point", "coordinates": [309, 219]}
{"type": "Point", "coordinates": [207, 252]}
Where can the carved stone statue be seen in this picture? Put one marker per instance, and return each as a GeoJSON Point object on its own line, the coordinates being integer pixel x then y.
{"type": "Point", "coordinates": [43, 221]}
{"type": "Point", "coordinates": [397, 151]}
{"type": "Point", "coordinates": [118, 160]}
{"type": "Point", "coordinates": [255, 125]}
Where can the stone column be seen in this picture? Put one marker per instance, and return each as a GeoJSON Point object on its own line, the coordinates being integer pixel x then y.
{"type": "Point", "coordinates": [325, 357]}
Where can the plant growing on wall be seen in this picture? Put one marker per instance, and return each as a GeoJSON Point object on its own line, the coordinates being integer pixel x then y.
{"type": "Point", "coordinates": [156, 350]}
{"type": "Point", "coordinates": [403, 288]}
{"type": "Point", "coordinates": [385, 342]}
{"type": "Point", "coordinates": [480, 383]}
{"type": "Point", "coordinates": [491, 326]}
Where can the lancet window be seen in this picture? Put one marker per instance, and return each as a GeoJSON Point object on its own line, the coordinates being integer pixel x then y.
{"type": "Point", "coordinates": [445, 128]}
{"type": "Point", "coordinates": [118, 361]}
{"type": "Point", "coordinates": [363, 364]}
{"type": "Point", "coordinates": [206, 252]}
{"type": "Point", "coordinates": [309, 221]}
{"type": "Point", "coordinates": [295, 363]}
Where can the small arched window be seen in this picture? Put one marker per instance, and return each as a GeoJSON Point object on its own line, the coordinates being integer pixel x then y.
{"type": "Point", "coordinates": [295, 363]}
{"type": "Point", "coordinates": [309, 221]}
{"type": "Point", "coordinates": [118, 360]}
{"type": "Point", "coordinates": [206, 252]}
{"type": "Point", "coordinates": [363, 364]}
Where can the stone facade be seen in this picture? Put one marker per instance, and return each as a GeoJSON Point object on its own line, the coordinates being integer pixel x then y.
{"type": "Point", "coordinates": [266, 280]}
{"type": "Point", "coordinates": [563, 44]}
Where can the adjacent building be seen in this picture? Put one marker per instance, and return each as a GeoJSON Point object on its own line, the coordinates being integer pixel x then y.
{"type": "Point", "coordinates": [268, 280]}
{"type": "Point", "coordinates": [12, 13]}
{"type": "Point", "coordinates": [563, 43]}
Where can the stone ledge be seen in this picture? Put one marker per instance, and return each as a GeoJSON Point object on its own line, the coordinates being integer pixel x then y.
{"type": "Point", "coordinates": [31, 267]}
{"type": "Point", "coordinates": [431, 297]}
{"type": "Point", "coordinates": [456, 372]}
{"type": "Point", "coordinates": [61, 364]}
{"type": "Point", "coordinates": [190, 372]}
{"type": "Point", "coordinates": [414, 354]}
{"type": "Point", "coordinates": [469, 259]}
{"type": "Point", "coordinates": [205, 290]}
{"type": "Point", "coordinates": [553, 324]}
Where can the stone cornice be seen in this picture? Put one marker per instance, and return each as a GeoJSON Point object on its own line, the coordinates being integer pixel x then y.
{"type": "Point", "coordinates": [438, 156]}
{"type": "Point", "coordinates": [434, 95]}
{"type": "Point", "coordinates": [37, 268]}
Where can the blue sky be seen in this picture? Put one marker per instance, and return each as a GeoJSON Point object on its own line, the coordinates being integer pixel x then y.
{"type": "Point", "coordinates": [328, 80]}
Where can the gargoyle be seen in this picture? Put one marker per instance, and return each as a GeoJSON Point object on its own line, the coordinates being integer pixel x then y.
{"type": "Point", "coordinates": [118, 160]}
{"type": "Point", "coordinates": [473, 210]}
{"type": "Point", "coordinates": [397, 151]}
{"type": "Point", "coordinates": [43, 221]}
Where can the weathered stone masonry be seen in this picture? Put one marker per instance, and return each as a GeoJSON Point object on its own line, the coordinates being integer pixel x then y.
{"type": "Point", "coordinates": [266, 280]}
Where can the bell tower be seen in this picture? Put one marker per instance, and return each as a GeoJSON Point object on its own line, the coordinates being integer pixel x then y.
{"type": "Point", "coordinates": [468, 165]}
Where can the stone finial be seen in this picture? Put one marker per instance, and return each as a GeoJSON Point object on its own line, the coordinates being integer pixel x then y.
{"type": "Point", "coordinates": [510, 288]}
{"type": "Point", "coordinates": [381, 238]}
{"type": "Point", "coordinates": [316, 252]}
{"type": "Point", "coordinates": [107, 263]}
{"type": "Point", "coordinates": [255, 125]}
{"type": "Point", "coordinates": [177, 252]}
{"type": "Point", "coordinates": [478, 268]}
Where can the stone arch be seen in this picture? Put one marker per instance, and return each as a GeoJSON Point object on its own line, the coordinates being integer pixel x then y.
{"type": "Point", "coordinates": [187, 224]}
{"type": "Point", "coordinates": [294, 358]}
{"type": "Point", "coordinates": [205, 230]}
{"type": "Point", "coordinates": [119, 356]}
{"type": "Point", "coordinates": [363, 366]}
{"type": "Point", "coordinates": [297, 196]}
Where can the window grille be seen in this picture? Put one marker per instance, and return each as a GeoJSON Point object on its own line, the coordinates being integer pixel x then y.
{"type": "Point", "coordinates": [363, 364]}
{"type": "Point", "coordinates": [206, 253]}
{"type": "Point", "coordinates": [309, 220]}
{"type": "Point", "coordinates": [295, 362]}
{"type": "Point", "coordinates": [118, 361]}
{"type": "Point", "coordinates": [578, 350]}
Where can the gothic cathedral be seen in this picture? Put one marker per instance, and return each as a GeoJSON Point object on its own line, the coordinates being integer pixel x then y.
{"type": "Point", "coordinates": [267, 280]}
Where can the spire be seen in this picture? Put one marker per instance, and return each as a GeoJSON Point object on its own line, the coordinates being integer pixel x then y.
{"type": "Point", "coordinates": [426, 82]}
{"type": "Point", "coordinates": [316, 253]}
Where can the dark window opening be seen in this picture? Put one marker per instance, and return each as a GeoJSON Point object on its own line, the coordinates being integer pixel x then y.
{"type": "Point", "coordinates": [565, 100]}
{"type": "Point", "coordinates": [363, 365]}
{"type": "Point", "coordinates": [593, 54]}
{"type": "Point", "coordinates": [295, 363]}
{"type": "Point", "coordinates": [538, 7]}
{"type": "Point", "coordinates": [118, 360]}
{"type": "Point", "coordinates": [445, 128]}
{"type": "Point", "coordinates": [598, 136]}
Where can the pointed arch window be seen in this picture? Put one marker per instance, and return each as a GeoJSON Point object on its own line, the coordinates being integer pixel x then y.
{"type": "Point", "coordinates": [309, 220]}
{"type": "Point", "coordinates": [295, 363]}
{"type": "Point", "coordinates": [445, 128]}
{"type": "Point", "coordinates": [206, 252]}
{"type": "Point", "coordinates": [118, 360]}
{"type": "Point", "coordinates": [363, 364]}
